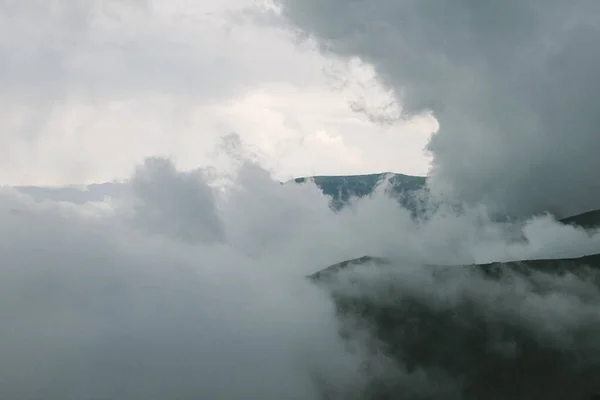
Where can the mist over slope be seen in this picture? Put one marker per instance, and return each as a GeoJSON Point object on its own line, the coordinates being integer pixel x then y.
{"type": "Point", "coordinates": [522, 330]}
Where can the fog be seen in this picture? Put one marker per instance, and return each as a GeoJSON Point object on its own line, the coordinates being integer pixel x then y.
{"type": "Point", "coordinates": [183, 288]}
{"type": "Point", "coordinates": [158, 295]}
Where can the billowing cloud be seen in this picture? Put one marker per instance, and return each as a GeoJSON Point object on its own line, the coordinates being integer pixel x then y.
{"type": "Point", "coordinates": [513, 85]}
{"type": "Point", "coordinates": [90, 89]}
{"type": "Point", "coordinates": [189, 215]}
{"type": "Point", "coordinates": [98, 304]}
{"type": "Point", "coordinates": [180, 288]}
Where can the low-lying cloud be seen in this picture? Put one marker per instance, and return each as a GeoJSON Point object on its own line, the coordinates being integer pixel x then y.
{"type": "Point", "coordinates": [146, 299]}
{"type": "Point", "coordinates": [181, 289]}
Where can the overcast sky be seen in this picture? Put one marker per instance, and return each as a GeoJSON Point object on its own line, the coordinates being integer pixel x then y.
{"type": "Point", "coordinates": [88, 89]}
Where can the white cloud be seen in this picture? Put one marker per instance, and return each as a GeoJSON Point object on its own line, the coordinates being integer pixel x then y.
{"type": "Point", "coordinates": [174, 289]}
{"type": "Point", "coordinates": [143, 303]}
{"type": "Point", "coordinates": [91, 88]}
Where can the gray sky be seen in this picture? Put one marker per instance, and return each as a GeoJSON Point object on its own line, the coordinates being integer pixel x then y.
{"type": "Point", "coordinates": [88, 89]}
{"type": "Point", "coordinates": [513, 84]}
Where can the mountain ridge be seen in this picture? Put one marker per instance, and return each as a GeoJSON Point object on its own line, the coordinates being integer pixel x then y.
{"type": "Point", "coordinates": [344, 188]}
{"type": "Point", "coordinates": [488, 355]}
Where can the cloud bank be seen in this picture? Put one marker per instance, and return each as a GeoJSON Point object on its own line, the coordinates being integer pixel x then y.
{"type": "Point", "coordinates": [179, 288]}
{"type": "Point", "coordinates": [157, 296]}
{"type": "Point", "coordinates": [512, 84]}
{"type": "Point", "coordinates": [85, 82]}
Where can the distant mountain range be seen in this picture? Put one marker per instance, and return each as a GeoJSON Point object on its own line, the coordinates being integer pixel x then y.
{"type": "Point", "coordinates": [95, 192]}
{"type": "Point", "coordinates": [408, 189]}
{"type": "Point", "coordinates": [342, 189]}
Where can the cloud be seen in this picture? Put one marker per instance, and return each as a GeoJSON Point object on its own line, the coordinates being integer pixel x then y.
{"type": "Point", "coordinates": [455, 333]}
{"type": "Point", "coordinates": [155, 298]}
{"type": "Point", "coordinates": [88, 82]}
{"type": "Point", "coordinates": [189, 215]}
{"type": "Point", "coordinates": [512, 85]}
{"type": "Point", "coordinates": [181, 287]}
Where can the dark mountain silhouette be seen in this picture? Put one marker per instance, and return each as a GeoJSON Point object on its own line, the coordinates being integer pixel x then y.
{"type": "Point", "coordinates": [587, 220]}
{"type": "Point", "coordinates": [467, 348]}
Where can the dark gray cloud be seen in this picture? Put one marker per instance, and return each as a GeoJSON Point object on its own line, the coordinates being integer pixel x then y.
{"type": "Point", "coordinates": [513, 84]}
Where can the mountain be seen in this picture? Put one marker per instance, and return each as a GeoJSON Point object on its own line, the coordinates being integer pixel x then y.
{"type": "Point", "coordinates": [408, 189]}
{"type": "Point", "coordinates": [587, 220]}
{"type": "Point", "coordinates": [488, 331]}
{"type": "Point", "coordinates": [343, 189]}
{"type": "Point", "coordinates": [74, 194]}
{"type": "Point", "coordinates": [473, 331]}
{"type": "Point", "coordinates": [468, 330]}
